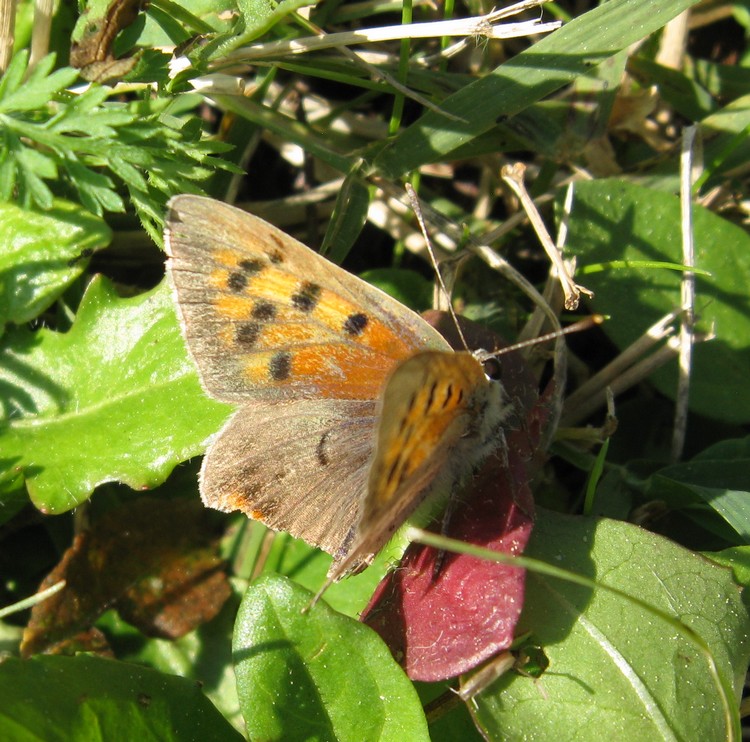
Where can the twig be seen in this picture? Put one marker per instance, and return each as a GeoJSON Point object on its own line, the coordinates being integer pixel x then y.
{"type": "Point", "coordinates": [40, 33]}
{"type": "Point", "coordinates": [634, 375]}
{"type": "Point", "coordinates": [687, 295]}
{"type": "Point", "coordinates": [513, 176]}
{"type": "Point", "coordinates": [608, 375]}
{"type": "Point", "coordinates": [7, 32]}
{"type": "Point", "coordinates": [479, 26]}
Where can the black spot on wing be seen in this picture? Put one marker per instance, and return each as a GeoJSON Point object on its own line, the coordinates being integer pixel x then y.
{"type": "Point", "coordinates": [448, 395]}
{"type": "Point", "coordinates": [431, 397]}
{"type": "Point", "coordinates": [306, 297]}
{"type": "Point", "coordinates": [320, 451]}
{"type": "Point", "coordinates": [393, 470]}
{"type": "Point", "coordinates": [236, 282]}
{"type": "Point", "coordinates": [251, 267]}
{"type": "Point", "coordinates": [281, 366]}
{"type": "Point", "coordinates": [279, 244]}
{"type": "Point", "coordinates": [355, 323]}
{"type": "Point", "coordinates": [247, 333]}
{"type": "Point", "coordinates": [264, 310]}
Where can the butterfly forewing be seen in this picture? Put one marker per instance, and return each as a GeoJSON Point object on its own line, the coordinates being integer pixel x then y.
{"type": "Point", "coordinates": [267, 318]}
{"type": "Point", "coordinates": [439, 418]}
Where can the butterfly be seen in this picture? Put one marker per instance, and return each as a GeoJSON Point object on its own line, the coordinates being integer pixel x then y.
{"type": "Point", "coordinates": [352, 410]}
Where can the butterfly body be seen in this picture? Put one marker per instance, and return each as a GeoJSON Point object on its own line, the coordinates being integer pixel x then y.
{"type": "Point", "coordinates": [352, 408]}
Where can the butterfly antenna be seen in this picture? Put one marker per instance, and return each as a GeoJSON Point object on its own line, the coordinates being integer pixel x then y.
{"type": "Point", "coordinates": [584, 324]}
{"type": "Point", "coordinates": [414, 200]}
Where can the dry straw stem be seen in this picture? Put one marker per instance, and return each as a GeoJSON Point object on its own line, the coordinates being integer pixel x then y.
{"type": "Point", "coordinates": [484, 26]}
{"type": "Point", "coordinates": [473, 684]}
{"type": "Point", "coordinates": [583, 406]}
{"type": "Point", "coordinates": [687, 332]}
{"type": "Point", "coordinates": [32, 600]}
{"type": "Point", "coordinates": [7, 27]}
{"type": "Point", "coordinates": [217, 83]}
{"type": "Point", "coordinates": [40, 33]}
{"type": "Point", "coordinates": [513, 176]}
{"type": "Point", "coordinates": [591, 395]}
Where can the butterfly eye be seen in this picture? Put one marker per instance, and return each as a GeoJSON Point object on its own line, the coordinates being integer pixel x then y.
{"type": "Point", "coordinates": [492, 369]}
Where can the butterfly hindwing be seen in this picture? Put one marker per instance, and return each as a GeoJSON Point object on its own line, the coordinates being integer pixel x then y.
{"type": "Point", "coordinates": [299, 467]}
{"type": "Point", "coordinates": [267, 318]}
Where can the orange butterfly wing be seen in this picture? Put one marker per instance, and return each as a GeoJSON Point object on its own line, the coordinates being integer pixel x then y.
{"type": "Point", "coordinates": [267, 318]}
{"type": "Point", "coordinates": [305, 347]}
{"type": "Point", "coordinates": [439, 418]}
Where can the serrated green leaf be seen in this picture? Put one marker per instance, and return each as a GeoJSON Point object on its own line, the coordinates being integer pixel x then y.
{"type": "Point", "coordinates": [634, 673]}
{"type": "Point", "coordinates": [39, 163]}
{"type": "Point", "coordinates": [33, 190]}
{"type": "Point", "coordinates": [39, 92]}
{"type": "Point", "coordinates": [44, 252]}
{"type": "Point", "coordinates": [612, 220]}
{"type": "Point", "coordinates": [317, 675]}
{"type": "Point", "coordinates": [92, 123]}
{"type": "Point", "coordinates": [114, 399]}
{"type": "Point", "coordinates": [90, 698]}
{"type": "Point", "coordinates": [41, 69]}
{"type": "Point", "coordinates": [12, 78]}
{"type": "Point", "coordinates": [96, 190]}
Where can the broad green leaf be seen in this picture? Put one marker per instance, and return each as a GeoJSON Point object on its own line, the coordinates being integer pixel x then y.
{"type": "Point", "coordinates": [689, 99]}
{"type": "Point", "coordinates": [728, 145]}
{"type": "Point", "coordinates": [719, 476]}
{"type": "Point", "coordinates": [203, 655]}
{"type": "Point", "coordinates": [612, 220]}
{"type": "Point", "coordinates": [617, 670]}
{"type": "Point", "coordinates": [114, 399]}
{"type": "Point", "coordinates": [317, 675]}
{"type": "Point", "coordinates": [737, 558]}
{"type": "Point", "coordinates": [90, 698]}
{"type": "Point", "coordinates": [409, 287]}
{"type": "Point", "coordinates": [348, 218]}
{"type": "Point", "coordinates": [547, 66]}
{"type": "Point", "coordinates": [43, 253]}
{"type": "Point", "coordinates": [308, 567]}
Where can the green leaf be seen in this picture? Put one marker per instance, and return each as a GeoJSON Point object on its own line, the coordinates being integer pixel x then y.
{"type": "Point", "coordinates": [114, 399]}
{"type": "Point", "coordinates": [617, 671]}
{"type": "Point", "coordinates": [408, 286]}
{"type": "Point", "coordinates": [614, 220]}
{"type": "Point", "coordinates": [203, 655]}
{"type": "Point", "coordinates": [37, 90]}
{"type": "Point", "coordinates": [90, 698]}
{"type": "Point", "coordinates": [348, 218]}
{"type": "Point", "coordinates": [317, 675]}
{"type": "Point", "coordinates": [547, 66]}
{"type": "Point", "coordinates": [689, 99]}
{"type": "Point", "coordinates": [719, 477]}
{"type": "Point", "coordinates": [13, 76]}
{"type": "Point", "coordinates": [44, 252]}
{"type": "Point", "coordinates": [737, 558]}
